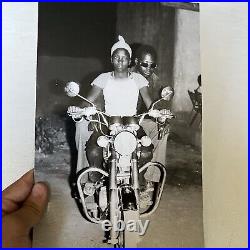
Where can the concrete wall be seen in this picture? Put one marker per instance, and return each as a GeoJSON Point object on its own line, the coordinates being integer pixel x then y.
{"type": "Point", "coordinates": [153, 24]}
{"type": "Point", "coordinates": [53, 72]}
{"type": "Point", "coordinates": [186, 69]}
{"type": "Point", "coordinates": [186, 59]}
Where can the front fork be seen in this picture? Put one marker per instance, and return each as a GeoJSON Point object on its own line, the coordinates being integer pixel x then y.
{"type": "Point", "coordinates": [161, 129]}
{"type": "Point", "coordinates": [114, 196]}
{"type": "Point", "coordinates": [135, 177]}
{"type": "Point", "coordinates": [113, 200]}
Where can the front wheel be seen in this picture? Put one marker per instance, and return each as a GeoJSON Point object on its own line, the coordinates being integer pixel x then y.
{"type": "Point", "coordinates": [129, 238]}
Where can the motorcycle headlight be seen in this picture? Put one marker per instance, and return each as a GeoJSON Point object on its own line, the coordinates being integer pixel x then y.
{"type": "Point", "coordinates": [102, 141]}
{"type": "Point", "coordinates": [125, 143]}
{"type": "Point", "coordinates": [146, 141]}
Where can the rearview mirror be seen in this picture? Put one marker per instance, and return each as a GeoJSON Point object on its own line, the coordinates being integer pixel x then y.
{"type": "Point", "coordinates": [72, 89]}
{"type": "Point", "coordinates": [167, 93]}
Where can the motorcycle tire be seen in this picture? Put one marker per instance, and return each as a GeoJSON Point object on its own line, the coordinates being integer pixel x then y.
{"type": "Point", "coordinates": [127, 239]}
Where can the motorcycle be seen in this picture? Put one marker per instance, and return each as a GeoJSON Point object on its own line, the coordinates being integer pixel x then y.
{"type": "Point", "coordinates": [116, 196]}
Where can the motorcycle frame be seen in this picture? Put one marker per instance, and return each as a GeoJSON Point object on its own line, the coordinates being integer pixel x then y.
{"type": "Point", "coordinates": [163, 168]}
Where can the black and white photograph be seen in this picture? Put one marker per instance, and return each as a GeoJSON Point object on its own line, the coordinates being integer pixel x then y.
{"type": "Point", "coordinates": [118, 128]}
{"type": "Point", "coordinates": [124, 124]}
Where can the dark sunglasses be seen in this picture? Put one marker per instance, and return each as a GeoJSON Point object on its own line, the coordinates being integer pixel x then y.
{"type": "Point", "coordinates": [145, 65]}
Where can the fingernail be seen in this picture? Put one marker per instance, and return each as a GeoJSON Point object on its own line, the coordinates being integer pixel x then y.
{"type": "Point", "coordinates": [39, 190]}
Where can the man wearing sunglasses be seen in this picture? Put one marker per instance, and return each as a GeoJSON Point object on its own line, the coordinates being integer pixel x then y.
{"type": "Point", "coordinates": [145, 64]}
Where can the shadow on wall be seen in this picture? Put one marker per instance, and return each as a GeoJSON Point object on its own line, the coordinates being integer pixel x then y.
{"type": "Point", "coordinates": [76, 29]}
{"type": "Point", "coordinates": [54, 72]}
{"type": "Point", "coordinates": [74, 41]}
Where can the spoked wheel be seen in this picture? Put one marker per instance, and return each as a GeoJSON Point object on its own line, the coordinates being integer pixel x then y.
{"type": "Point", "coordinates": [120, 215]}
{"type": "Point", "coordinates": [121, 234]}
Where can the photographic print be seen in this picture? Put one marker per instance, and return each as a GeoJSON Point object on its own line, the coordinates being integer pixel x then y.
{"type": "Point", "coordinates": [119, 124]}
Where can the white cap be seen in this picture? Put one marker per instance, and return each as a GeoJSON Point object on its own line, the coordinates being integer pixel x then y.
{"type": "Point", "coordinates": [121, 44]}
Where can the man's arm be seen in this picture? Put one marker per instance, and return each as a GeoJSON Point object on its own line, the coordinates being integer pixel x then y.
{"type": "Point", "coordinates": [146, 97]}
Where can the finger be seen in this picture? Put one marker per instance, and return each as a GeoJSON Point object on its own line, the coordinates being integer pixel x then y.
{"type": "Point", "coordinates": [34, 207]}
{"type": "Point", "coordinates": [16, 193]}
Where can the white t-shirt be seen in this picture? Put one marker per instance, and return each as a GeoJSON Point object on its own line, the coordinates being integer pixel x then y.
{"type": "Point", "coordinates": [120, 95]}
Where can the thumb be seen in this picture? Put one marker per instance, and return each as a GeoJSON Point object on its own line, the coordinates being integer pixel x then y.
{"type": "Point", "coordinates": [34, 207]}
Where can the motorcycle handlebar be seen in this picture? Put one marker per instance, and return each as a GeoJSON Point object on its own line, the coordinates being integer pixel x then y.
{"type": "Point", "coordinates": [161, 115]}
{"type": "Point", "coordinates": [103, 114]}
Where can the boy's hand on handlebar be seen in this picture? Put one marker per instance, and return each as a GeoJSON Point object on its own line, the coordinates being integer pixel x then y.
{"type": "Point", "coordinates": [75, 112]}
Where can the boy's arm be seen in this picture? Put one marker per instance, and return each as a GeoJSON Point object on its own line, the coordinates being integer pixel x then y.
{"type": "Point", "coordinates": [93, 95]}
{"type": "Point", "coordinates": [146, 96]}
{"type": "Point", "coordinates": [78, 112]}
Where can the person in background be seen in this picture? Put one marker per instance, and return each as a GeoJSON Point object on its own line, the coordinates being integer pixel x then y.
{"type": "Point", "coordinates": [146, 64]}
{"type": "Point", "coordinates": [23, 206]}
{"type": "Point", "coordinates": [198, 90]}
{"type": "Point", "coordinates": [198, 97]}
